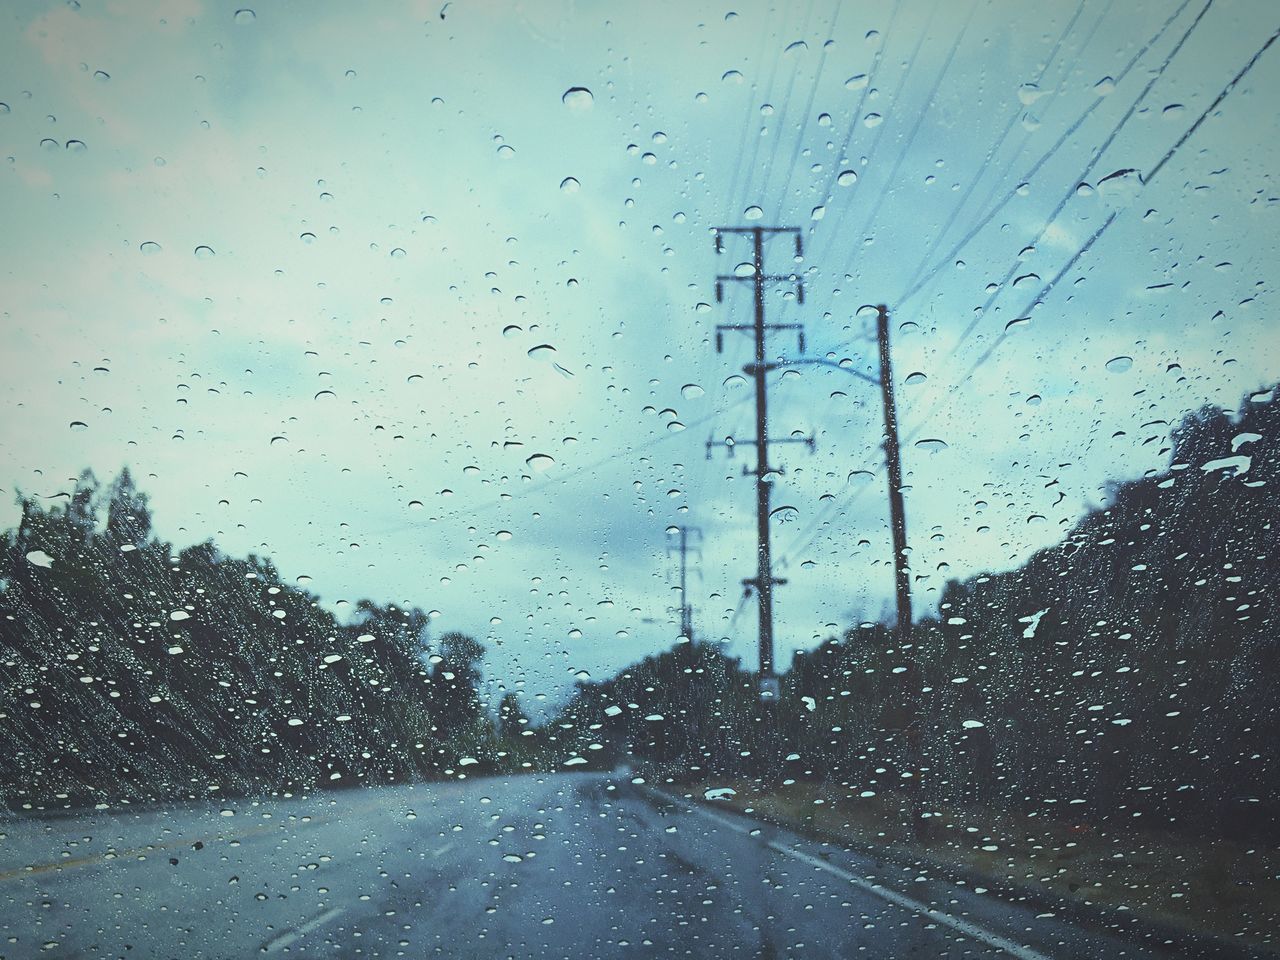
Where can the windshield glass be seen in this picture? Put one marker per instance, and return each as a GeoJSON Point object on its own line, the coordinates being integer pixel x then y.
{"type": "Point", "coordinates": [578, 479]}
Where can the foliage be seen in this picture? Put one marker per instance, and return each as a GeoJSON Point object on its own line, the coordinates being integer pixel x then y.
{"type": "Point", "coordinates": [1121, 674]}
{"type": "Point", "coordinates": [129, 671]}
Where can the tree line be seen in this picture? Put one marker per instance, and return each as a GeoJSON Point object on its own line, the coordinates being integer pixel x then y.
{"type": "Point", "coordinates": [130, 671]}
{"type": "Point", "coordinates": [1123, 675]}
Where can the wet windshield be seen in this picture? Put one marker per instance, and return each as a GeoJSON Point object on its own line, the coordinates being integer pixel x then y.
{"type": "Point", "coordinates": [572, 479]}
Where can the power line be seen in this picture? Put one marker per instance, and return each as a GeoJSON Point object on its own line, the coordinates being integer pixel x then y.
{"type": "Point", "coordinates": [1053, 150]}
{"type": "Point", "coordinates": [781, 125]}
{"type": "Point", "coordinates": [999, 142]}
{"type": "Point", "coordinates": [879, 134]}
{"type": "Point", "coordinates": [930, 100]}
{"type": "Point", "coordinates": [564, 477]}
{"type": "Point", "coordinates": [808, 109]}
{"type": "Point", "coordinates": [746, 126]}
{"type": "Point", "coordinates": [856, 116]}
{"type": "Point", "coordinates": [1047, 288]}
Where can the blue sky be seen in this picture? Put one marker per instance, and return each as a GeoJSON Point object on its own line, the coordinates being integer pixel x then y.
{"type": "Point", "coordinates": [404, 289]}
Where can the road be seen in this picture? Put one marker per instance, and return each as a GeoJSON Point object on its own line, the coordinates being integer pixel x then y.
{"type": "Point", "coordinates": [566, 865]}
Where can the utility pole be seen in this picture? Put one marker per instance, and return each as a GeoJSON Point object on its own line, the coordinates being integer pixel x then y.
{"type": "Point", "coordinates": [686, 608]}
{"type": "Point", "coordinates": [902, 583]}
{"type": "Point", "coordinates": [764, 581]}
{"type": "Point", "coordinates": [893, 458]}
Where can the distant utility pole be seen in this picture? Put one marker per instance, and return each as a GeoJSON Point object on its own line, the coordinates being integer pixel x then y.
{"type": "Point", "coordinates": [764, 581]}
{"type": "Point", "coordinates": [686, 608]}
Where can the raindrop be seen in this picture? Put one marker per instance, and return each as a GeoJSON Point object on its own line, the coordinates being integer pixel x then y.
{"type": "Point", "coordinates": [691, 391]}
{"type": "Point", "coordinates": [506, 151]}
{"type": "Point", "coordinates": [1105, 87]}
{"type": "Point", "coordinates": [570, 185]}
{"type": "Point", "coordinates": [179, 615]}
{"type": "Point", "coordinates": [39, 558]}
{"type": "Point", "coordinates": [398, 253]}
{"type": "Point", "coordinates": [203, 252]}
{"type": "Point", "coordinates": [79, 425]}
{"type": "Point", "coordinates": [913, 378]}
{"type": "Point", "coordinates": [872, 120]}
{"type": "Point", "coordinates": [101, 75]}
{"type": "Point", "coordinates": [149, 248]}
{"type": "Point", "coordinates": [511, 330]}
{"type": "Point", "coordinates": [1034, 400]}
{"type": "Point", "coordinates": [543, 351]}
{"type": "Point", "coordinates": [784, 514]}
{"type": "Point", "coordinates": [307, 237]}
{"type": "Point", "coordinates": [76, 146]}
{"type": "Point", "coordinates": [675, 426]}
{"type": "Point", "coordinates": [817, 213]}
{"type": "Point", "coordinates": [752, 213]}
{"type": "Point", "coordinates": [415, 504]}
{"type": "Point", "coordinates": [578, 98]}
{"type": "Point", "coordinates": [732, 76]}
{"type": "Point", "coordinates": [1119, 364]}
{"type": "Point", "coordinates": [931, 445]}
{"type": "Point", "coordinates": [245, 15]}
{"type": "Point", "coordinates": [48, 144]}
{"type": "Point", "coordinates": [847, 178]}
{"type": "Point", "coordinates": [540, 462]}
{"type": "Point", "coordinates": [503, 534]}
{"type": "Point", "coordinates": [857, 81]}
{"type": "Point", "coordinates": [325, 393]}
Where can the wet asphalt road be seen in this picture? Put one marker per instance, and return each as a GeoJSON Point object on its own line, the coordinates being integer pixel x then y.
{"type": "Point", "coordinates": [567, 865]}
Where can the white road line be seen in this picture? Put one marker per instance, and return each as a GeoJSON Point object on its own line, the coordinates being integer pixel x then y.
{"type": "Point", "coordinates": [960, 925]}
{"type": "Point", "coordinates": [292, 936]}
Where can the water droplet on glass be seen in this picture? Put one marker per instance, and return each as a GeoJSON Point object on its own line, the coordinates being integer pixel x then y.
{"type": "Point", "coordinates": [847, 178]}
{"type": "Point", "coordinates": [731, 76]}
{"type": "Point", "coordinates": [245, 15]}
{"type": "Point", "coordinates": [203, 252]}
{"type": "Point", "coordinates": [913, 378]}
{"type": "Point", "coordinates": [1119, 364]}
{"type": "Point", "coordinates": [752, 213]}
{"type": "Point", "coordinates": [149, 248]}
{"type": "Point", "coordinates": [578, 98]}
{"type": "Point", "coordinates": [398, 253]}
{"type": "Point", "coordinates": [872, 120]}
{"type": "Point", "coordinates": [1105, 87]}
{"type": "Point", "coordinates": [39, 558]}
{"type": "Point", "coordinates": [931, 445]}
{"type": "Point", "coordinates": [506, 151]}
{"type": "Point", "coordinates": [691, 391]}
{"type": "Point", "coordinates": [570, 185]}
{"type": "Point", "coordinates": [76, 146]}
{"type": "Point", "coordinates": [817, 213]}
{"type": "Point", "coordinates": [543, 351]}
{"type": "Point", "coordinates": [540, 462]}
{"type": "Point", "coordinates": [857, 81]}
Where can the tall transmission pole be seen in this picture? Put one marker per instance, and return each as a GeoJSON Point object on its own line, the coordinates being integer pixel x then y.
{"type": "Point", "coordinates": [764, 581]}
{"type": "Point", "coordinates": [684, 534]}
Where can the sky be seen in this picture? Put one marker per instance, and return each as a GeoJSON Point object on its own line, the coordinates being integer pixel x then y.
{"type": "Point", "coordinates": [417, 298]}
